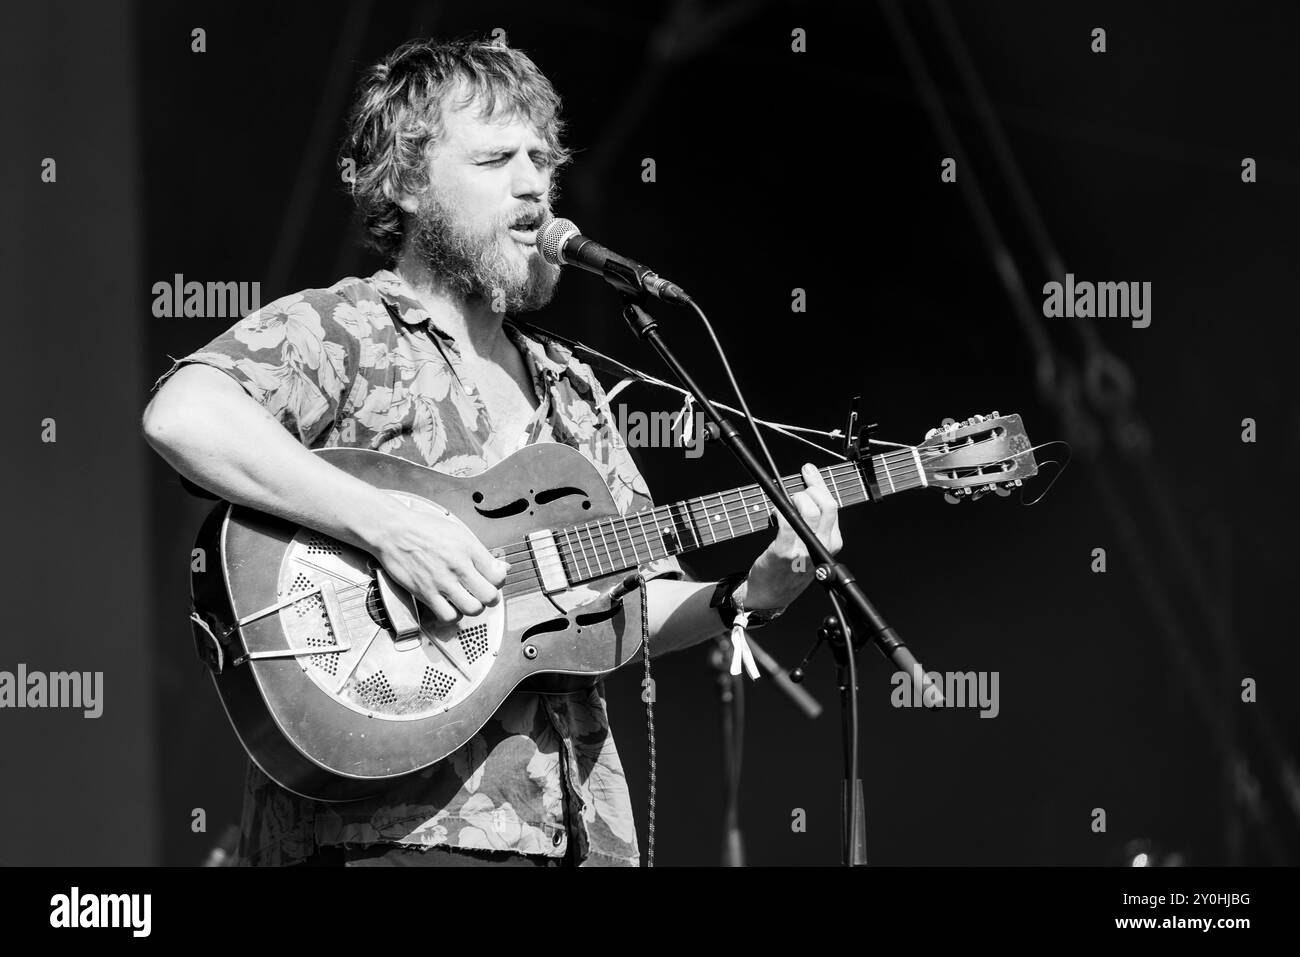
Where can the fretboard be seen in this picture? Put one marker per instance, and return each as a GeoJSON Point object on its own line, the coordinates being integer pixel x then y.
{"type": "Point", "coordinates": [599, 548]}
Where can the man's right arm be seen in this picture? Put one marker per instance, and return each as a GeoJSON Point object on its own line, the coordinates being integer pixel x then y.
{"type": "Point", "coordinates": [212, 432]}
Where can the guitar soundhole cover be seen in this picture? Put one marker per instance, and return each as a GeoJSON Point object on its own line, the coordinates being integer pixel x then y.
{"type": "Point", "coordinates": [378, 675]}
{"type": "Point", "coordinates": [320, 635]}
{"type": "Point", "coordinates": [319, 545]}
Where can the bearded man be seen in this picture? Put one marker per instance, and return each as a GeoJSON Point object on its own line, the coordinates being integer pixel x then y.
{"type": "Point", "coordinates": [455, 148]}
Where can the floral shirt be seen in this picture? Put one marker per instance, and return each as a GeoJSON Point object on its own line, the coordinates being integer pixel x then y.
{"type": "Point", "coordinates": [361, 365]}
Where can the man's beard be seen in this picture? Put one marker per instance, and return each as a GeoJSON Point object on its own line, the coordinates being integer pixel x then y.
{"type": "Point", "coordinates": [474, 266]}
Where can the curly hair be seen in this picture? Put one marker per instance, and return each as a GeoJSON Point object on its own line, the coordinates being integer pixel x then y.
{"type": "Point", "coordinates": [397, 115]}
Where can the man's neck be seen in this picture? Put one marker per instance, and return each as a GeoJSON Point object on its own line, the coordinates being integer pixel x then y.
{"type": "Point", "coordinates": [472, 322]}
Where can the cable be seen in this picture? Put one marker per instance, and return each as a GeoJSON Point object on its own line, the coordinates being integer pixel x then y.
{"type": "Point", "coordinates": [740, 397]}
{"type": "Point", "coordinates": [650, 722]}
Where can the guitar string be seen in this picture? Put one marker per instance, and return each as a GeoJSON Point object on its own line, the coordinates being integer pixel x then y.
{"type": "Point", "coordinates": [614, 534]}
{"type": "Point", "coordinates": [695, 515]}
{"type": "Point", "coordinates": [905, 472]}
{"type": "Point", "coordinates": [524, 557]}
{"type": "Point", "coordinates": [528, 576]}
{"type": "Point", "coordinates": [844, 488]}
{"type": "Point", "coordinates": [521, 553]}
{"type": "Point", "coordinates": [349, 606]}
{"type": "Point", "coordinates": [749, 496]}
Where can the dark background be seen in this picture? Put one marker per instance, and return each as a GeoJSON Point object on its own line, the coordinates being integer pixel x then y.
{"type": "Point", "coordinates": [776, 170]}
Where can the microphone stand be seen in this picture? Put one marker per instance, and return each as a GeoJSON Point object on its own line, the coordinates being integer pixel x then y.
{"type": "Point", "coordinates": [834, 576]}
{"type": "Point", "coordinates": [731, 701]}
{"type": "Point", "coordinates": [731, 698]}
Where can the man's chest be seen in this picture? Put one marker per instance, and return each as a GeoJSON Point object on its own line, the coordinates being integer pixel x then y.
{"type": "Point", "coordinates": [508, 400]}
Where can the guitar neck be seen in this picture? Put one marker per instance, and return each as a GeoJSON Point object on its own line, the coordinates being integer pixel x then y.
{"type": "Point", "coordinates": [596, 549]}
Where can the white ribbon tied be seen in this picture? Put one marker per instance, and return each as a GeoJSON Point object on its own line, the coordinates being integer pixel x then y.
{"type": "Point", "coordinates": [740, 653]}
{"type": "Point", "coordinates": [684, 421]}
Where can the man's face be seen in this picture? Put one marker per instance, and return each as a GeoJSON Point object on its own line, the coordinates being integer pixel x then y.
{"type": "Point", "coordinates": [486, 177]}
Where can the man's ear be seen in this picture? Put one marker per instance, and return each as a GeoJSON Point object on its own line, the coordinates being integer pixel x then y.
{"type": "Point", "coordinates": [407, 203]}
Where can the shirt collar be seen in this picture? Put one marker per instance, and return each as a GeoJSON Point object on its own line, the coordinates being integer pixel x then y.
{"type": "Point", "coordinates": [549, 356]}
{"type": "Point", "coordinates": [395, 292]}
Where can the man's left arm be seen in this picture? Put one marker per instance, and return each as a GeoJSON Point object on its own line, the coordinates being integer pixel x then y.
{"type": "Point", "coordinates": [679, 612]}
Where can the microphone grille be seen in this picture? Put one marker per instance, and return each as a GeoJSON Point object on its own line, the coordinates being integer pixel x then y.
{"type": "Point", "coordinates": [552, 237]}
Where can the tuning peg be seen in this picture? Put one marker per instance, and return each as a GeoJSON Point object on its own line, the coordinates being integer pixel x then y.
{"type": "Point", "coordinates": [951, 499]}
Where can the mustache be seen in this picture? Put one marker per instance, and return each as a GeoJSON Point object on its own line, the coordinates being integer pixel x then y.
{"type": "Point", "coordinates": [535, 215]}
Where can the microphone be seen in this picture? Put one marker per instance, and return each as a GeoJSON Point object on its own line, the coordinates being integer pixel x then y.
{"type": "Point", "coordinates": [563, 245]}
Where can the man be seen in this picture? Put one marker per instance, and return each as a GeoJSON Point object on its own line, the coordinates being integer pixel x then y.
{"type": "Point", "coordinates": [455, 147]}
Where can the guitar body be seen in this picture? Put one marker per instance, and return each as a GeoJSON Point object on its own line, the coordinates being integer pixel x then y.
{"type": "Point", "coordinates": [341, 723]}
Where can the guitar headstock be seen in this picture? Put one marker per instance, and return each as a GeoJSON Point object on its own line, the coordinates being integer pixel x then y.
{"type": "Point", "coordinates": [985, 453]}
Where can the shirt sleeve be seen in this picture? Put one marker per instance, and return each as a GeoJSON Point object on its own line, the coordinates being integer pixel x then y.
{"type": "Point", "coordinates": [293, 357]}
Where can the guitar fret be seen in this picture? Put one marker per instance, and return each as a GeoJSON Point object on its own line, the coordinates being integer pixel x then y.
{"type": "Point", "coordinates": [617, 541]}
{"type": "Point", "coordinates": [866, 496]}
{"type": "Point", "coordinates": [695, 525]}
{"type": "Point", "coordinates": [702, 520]}
{"type": "Point", "coordinates": [746, 511]}
{"type": "Point", "coordinates": [605, 543]}
{"type": "Point", "coordinates": [900, 461]}
{"type": "Point", "coordinates": [884, 459]}
{"type": "Point", "coordinates": [647, 537]}
{"type": "Point", "coordinates": [834, 487]}
{"type": "Point", "coordinates": [666, 523]}
{"type": "Point", "coordinates": [632, 541]}
{"type": "Point", "coordinates": [683, 509]}
{"type": "Point", "coordinates": [725, 511]}
{"type": "Point", "coordinates": [709, 522]}
{"type": "Point", "coordinates": [577, 533]}
{"type": "Point", "coordinates": [568, 548]}
{"type": "Point", "coordinates": [848, 492]}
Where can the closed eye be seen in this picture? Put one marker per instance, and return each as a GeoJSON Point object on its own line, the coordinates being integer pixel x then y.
{"type": "Point", "coordinates": [542, 159]}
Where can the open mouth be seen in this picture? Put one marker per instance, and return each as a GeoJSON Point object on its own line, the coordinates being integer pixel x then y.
{"type": "Point", "coordinates": [524, 230]}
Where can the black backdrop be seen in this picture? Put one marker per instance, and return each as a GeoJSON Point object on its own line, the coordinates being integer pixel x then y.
{"type": "Point", "coordinates": [775, 170]}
